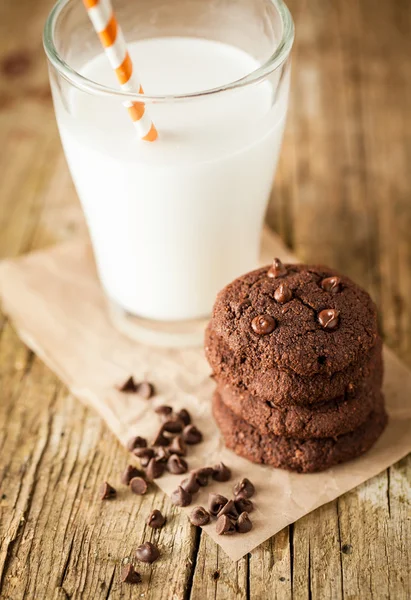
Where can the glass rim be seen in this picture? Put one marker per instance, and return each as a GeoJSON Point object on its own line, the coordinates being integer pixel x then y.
{"type": "Point", "coordinates": [279, 56]}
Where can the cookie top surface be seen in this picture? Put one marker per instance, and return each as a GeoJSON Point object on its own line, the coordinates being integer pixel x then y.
{"type": "Point", "coordinates": [301, 318]}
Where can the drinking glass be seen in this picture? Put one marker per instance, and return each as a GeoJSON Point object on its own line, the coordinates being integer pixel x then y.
{"type": "Point", "coordinates": [173, 221]}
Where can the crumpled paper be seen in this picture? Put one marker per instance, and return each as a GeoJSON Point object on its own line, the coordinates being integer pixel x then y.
{"type": "Point", "coordinates": [56, 303]}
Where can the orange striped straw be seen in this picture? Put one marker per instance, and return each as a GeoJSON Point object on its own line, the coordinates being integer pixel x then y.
{"type": "Point", "coordinates": [112, 39]}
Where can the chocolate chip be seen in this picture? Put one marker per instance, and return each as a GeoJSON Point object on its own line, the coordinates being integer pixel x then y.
{"type": "Point", "coordinates": [181, 497]}
{"type": "Point", "coordinates": [263, 324]}
{"type": "Point", "coordinates": [277, 269]}
{"type": "Point", "coordinates": [129, 386]}
{"type": "Point", "coordinates": [244, 488]}
{"type": "Point", "coordinates": [224, 525]}
{"type": "Point", "coordinates": [173, 426]}
{"type": "Point", "coordinates": [332, 284]}
{"type": "Point", "coordinates": [244, 524]}
{"type": "Point", "coordinates": [328, 318]}
{"type": "Point", "coordinates": [136, 442]}
{"type": "Point", "coordinates": [144, 454]}
{"type": "Point", "coordinates": [190, 484]}
{"type": "Point", "coordinates": [138, 486]}
{"type": "Point", "coordinates": [156, 519]}
{"type": "Point", "coordinates": [160, 439]}
{"type": "Point", "coordinates": [163, 410]}
{"type": "Point", "coordinates": [155, 469]}
{"type": "Point", "coordinates": [243, 505]}
{"type": "Point", "coordinates": [184, 415]}
{"type": "Point", "coordinates": [229, 509]}
{"type": "Point", "coordinates": [199, 516]}
{"type": "Point", "coordinates": [203, 474]}
{"type": "Point", "coordinates": [161, 453]}
{"type": "Point", "coordinates": [146, 390]}
{"type": "Point", "coordinates": [107, 492]}
{"type": "Point", "coordinates": [221, 472]}
{"type": "Point", "coordinates": [129, 473]}
{"type": "Point", "coordinates": [216, 503]}
{"type": "Point", "coordinates": [147, 552]}
{"type": "Point", "coordinates": [192, 435]}
{"type": "Point", "coordinates": [130, 575]}
{"type": "Point", "coordinates": [177, 465]}
{"type": "Point", "coordinates": [178, 446]}
{"type": "Point", "coordinates": [283, 294]}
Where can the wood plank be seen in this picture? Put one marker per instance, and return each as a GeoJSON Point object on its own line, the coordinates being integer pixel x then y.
{"type": "Point", "coordinates": [316, 552]}
{"type": "Point", "coordinates": [270, 567]}
{"type": "Point", "coordinates": [216, 576]}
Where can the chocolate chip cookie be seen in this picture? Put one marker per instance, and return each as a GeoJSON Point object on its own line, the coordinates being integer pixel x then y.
{"type": "Point", "coordinates": [327, 419]}
{"type": "Point", "coordinates": [293, 334]}
{"type": "Point", "coordinates": [304, 456]}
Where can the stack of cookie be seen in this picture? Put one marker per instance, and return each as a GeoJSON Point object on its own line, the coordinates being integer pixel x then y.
{"type": "Point", "coordinates": [297, 359]}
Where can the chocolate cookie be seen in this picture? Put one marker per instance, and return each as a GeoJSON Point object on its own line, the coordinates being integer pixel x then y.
{"type": "Point", "coordinates": [327, 419]}
{"type": "Point", "coordinates": [295, 322]}
{"type": "Point", "coordinates": [285, 387]}
{"type": "Point", "coordinates": [304, 456]}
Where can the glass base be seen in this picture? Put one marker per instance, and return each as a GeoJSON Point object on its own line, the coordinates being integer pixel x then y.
{"type": "Point", "coordinates": [167, 334]}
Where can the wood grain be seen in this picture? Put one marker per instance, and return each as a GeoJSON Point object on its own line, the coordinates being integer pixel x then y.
{"type": "Point", "coordinates": [341, 197]}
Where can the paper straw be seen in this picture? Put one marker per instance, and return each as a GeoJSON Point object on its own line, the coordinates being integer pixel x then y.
{"type": "Point", "coordinates": [112, 39]}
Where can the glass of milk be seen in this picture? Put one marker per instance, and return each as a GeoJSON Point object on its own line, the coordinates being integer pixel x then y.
{"type": "Point", "coordinates": [173, 221]}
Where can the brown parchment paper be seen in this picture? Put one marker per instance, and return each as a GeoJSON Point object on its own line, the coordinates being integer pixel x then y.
{"type": "Point", "coordinates": [55, 301]}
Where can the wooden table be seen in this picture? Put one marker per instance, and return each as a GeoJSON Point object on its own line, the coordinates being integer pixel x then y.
{"type": "Point", "coordinates": [342, 196]}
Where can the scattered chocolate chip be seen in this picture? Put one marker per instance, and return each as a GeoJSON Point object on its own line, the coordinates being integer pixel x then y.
{"type": "Point", "coordinates": [145, 389]}
{"type": "Point", "coordinates": [144, 454]}
{"type": "Point", "coordinates": [184, 416]}
{"type": "Point", "coordinates": [130, 575]}
{"type": "Point", "coordinates": [173, 426]}
{"type": "Point", "coordinates": [181, 497]}
{"type": "Point", "coordinates": [155, 469]}
{"type": "Point", "coordinates": [138, 486]}
{"type": "Point", "coordinates": [224, 525]}
{"type": "Point", "coordinates": [177, 465]}
{"type": "Point", "coordinates": [190, 484]}
{"type": "Point", "coordinates": [263, 324]}
{"type": "Point", "coordinates": [283, 294]}
{"type": "Point", "coordinates": [161, 453]}
{"type": "Point", "coordinates": [216, 503]}
{"type": "Point", "coordinates": [331, 284]}
{"type": "Point", "coordinates": [147, 552]}
{"type": "Point", "coordinates": [244, 488]}
{"type": "Point", "coordinates": [192, 435]}
{"type": "Point", "coordinates": [178, 446]}
{"type": "Point", "coordinates": [129, 473]}
{"type": "Point", "coordinates": [129, 386]}
{"type": "Point", "coordinates": [243, 505]}
{"type": "Point", "coordinates": [136, 442]}
{"type": "Point", "coordinates": [163, 410]}
{"type": "Point", "coordinates": [221, 472]}
{"type": "Point", "coordinates": [160, 439]}
{"type": "Point", "coordinates": [244, 524]}
{"type": "Point", "coordinates": [277, 269]}
{"type": "Point", "coordinates": [203, 474]}
{"type": "Point", "coordinates": [229, 509]}
{"type": "Point", "coordinates": [199, 516]}
{"type": "Point", "coordinates": [107, 492]}
{"type": "Point", "coordinates": [328, 318]}
{"type": "Point", "coordinates": [156, 519]}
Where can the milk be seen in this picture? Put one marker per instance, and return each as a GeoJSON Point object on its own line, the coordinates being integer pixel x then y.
{"type": "Point", "coordinates": [172, 222]}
